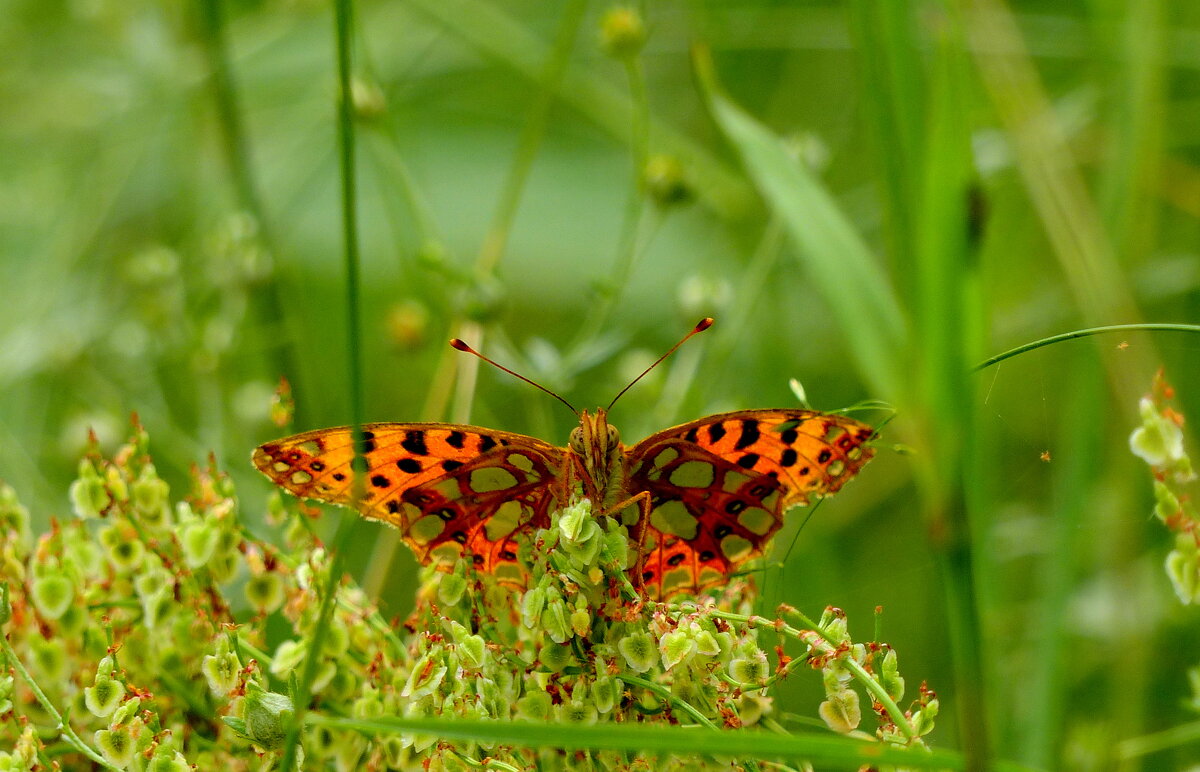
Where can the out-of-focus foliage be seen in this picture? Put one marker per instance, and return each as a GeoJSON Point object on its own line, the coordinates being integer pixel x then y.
{"type": "Point", "coordinates": [170, 244]}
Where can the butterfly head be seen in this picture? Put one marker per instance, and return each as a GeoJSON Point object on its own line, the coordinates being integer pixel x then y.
{"type": "Point", "coordinates": [597, 443]}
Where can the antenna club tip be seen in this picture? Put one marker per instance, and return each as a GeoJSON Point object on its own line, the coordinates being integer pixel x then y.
{"type": "Point", "coordinates": [459, 344]}
{"type": "Point", "coordinates": [704, 324]}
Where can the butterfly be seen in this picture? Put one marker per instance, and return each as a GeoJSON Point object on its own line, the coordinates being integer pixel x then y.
{"type": "Point", "coordinates": [705, 497]}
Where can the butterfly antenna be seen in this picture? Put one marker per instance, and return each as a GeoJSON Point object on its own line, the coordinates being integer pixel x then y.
{"type": "Point", "coordinates": [701, 326]}
{"type": "Point", "coordinates": [461, 345]}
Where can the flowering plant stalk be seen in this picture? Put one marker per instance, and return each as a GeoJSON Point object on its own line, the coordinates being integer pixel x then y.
{"type": "Point", "coordinates": [146, 634]}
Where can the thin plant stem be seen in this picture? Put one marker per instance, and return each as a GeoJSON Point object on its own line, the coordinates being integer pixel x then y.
{"type": "Point", "coordinates": [1084, 333]}
{"type": "Point", "coordinates": [343, 25]}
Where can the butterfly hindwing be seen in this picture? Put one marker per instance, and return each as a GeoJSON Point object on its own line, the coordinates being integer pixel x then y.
{"type": "Point", "coordinates": [719, 487]}
{"type": "Point", "coordinates": [446, 487]}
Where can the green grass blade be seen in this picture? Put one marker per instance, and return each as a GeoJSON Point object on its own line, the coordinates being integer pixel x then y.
{"type": "Point", "coordinates": [834, 254]}
{"type": "Point", "coordinates": [705, 742]}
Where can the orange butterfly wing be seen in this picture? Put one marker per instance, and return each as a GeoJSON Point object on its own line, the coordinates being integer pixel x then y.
{"type": "Point", "coordinates": [451, 490]}
{"type": "Point", "coordinates": [719, 487]}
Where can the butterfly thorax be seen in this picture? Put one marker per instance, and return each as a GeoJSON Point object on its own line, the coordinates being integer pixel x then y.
{"type": "Point", "coordinates": [597, 445]}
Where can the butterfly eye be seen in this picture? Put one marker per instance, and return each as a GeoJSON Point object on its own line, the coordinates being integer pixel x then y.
{"type": "Point", "coordinates": [614, 436]}
{"type": "Point", "coordinates": [577, 440]}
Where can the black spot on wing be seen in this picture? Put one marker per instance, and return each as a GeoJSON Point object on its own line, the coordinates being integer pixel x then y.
{"type": "Point", "coordinates": [789, 436]}
{"type": "Point", "coordinates": [380, 481]}
{"type": "Point", "coordinates": [450, 464]}
{"type": "Point", "coordinates": [455, 439]}
{"type": "Point", "coordinates": [749, 435]}
{"type": "Point", "coordinates": [716, 432]}
{"type": "Point", "coordinates": [486, 443]}
{"type": "Point", "coordinates": [748, 461]}
{"type": "Point", "coordinates": [414, 442]}
{"type": "Point", "coordinates": [788, 457]}
{"type": "Point", "coordinates": [409, 465]}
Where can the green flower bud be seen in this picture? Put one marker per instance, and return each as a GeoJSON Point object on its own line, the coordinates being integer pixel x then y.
{"type": "Point", "coordinates": [572, 519]}
{"type": "Point", "coordinates": [535, 706]}
{"type": "Point", "coordinates": [606, 693]}
{"type": "Point", "coordinates": [426, 676]}
{"type": "Point", "coordinates": [622, 32]}
{"type": "Point", "coordinates": [556, 657]}
{"type": "Point", "coordinates": [841, 712]}
{"type": "Point", "coordinates": [639, 651]}
{"type": "Point", "coordinates": [265, 592]}
{"type": "Point", "coordinates": [581, 622]}
{"type": "Point", "coordinates": [665, 181]}
{"type": "Point", "coordinates": [49, 657]}
{"type": "Point", "coordinates": [676, 647]}
{"type": "Point", "coordinates": [889, 676]}
{"type": "Point", "coordinates": [89, 495]}
{"type": "Point", "coordinates": [6, 690]}
{"type": "Point", "coordinates": [922, 720]}
{"type": "Point", "coordinates": [576, 712]}
{"type": "Point", "coordinates": [287, 658]}
{"type": "Point", "coordinates": [706, 644]}
{"type": "Point", "coordinates": [14, 516]}
{"type": "Point", "coordinates": [115, 483]}
{"type": "Point", "coordinates": [52, 594]}
{"type": "Point", "coordinates": [267, 716]}
{"type": "Point", "coordinates": [472, 652]}
{"type": "Point", "coordinates": [168, 761]}
{"type": "Point", "coordinates": [199, 541]}
{"type": "Point", "coordinates": [117, 745]}
{"type": "Point", "coordinates": [752, 706]}
{"type": "Point", "coordinates": [1158, 441]}
{"type": "Point", "coordinates": [1183, 568]}
{"type": "Point", "coordinates": [127, 712]}
{"type": "Point", "coordinates": [749, 670]}
{"type": "Point", "coordinates": [125, 552]}
{"type": "Point", "coordinates": [150, 498]}
{"type": "Point", "coordinates": [554, 621]}
{"type": "Point", "coordinates": [532, 605]}
{"type": "Point", "coordinates": [451, 588]}
{"type": "Point", "coordinates": [1166, 504]}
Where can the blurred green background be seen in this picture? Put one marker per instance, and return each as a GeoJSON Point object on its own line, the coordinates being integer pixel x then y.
{"type": "Point", "coordinates": [172, 244]}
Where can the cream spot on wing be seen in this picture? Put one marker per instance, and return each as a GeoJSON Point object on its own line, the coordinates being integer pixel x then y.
{"type": "Point", "coordinates": [520, 461]}
{"type": "Point", "coordinates": [311, 447]}
{"type": "Point", "coordinates": [693, 474]}
{"type": "Point", "coordinates": [672, 517]}
{"type": "Point", "coordinates": [854, 453]}
{"type": "Point", "coordinates": [281, 466]}
{"type": "Point", "coordinates": [833, 432]}
{"type": "Point", "coordinates": [301, 477]}
{"type": "Point", "coordinates": [446, 552]}
{"type": "Point", "coordinates": [735, 547]}
{"type": "Point", "coordinates": [771, 500]}
{"type": "Point", "coordinates": [734, 481]}
{"type": "Point", "coordinates": [756, 520]}
{"type": "Point", "coordinates": [491, 478]}
{"type": "Point", "coordinates": [836, 468]}
{"type": "Point", "coordinates": [665, 457]}
{"type": "Point", "coordinates": [426, 529]}
{"type": "Point", "coordinates": [447, 489]}
{"type": "Point", "coordinates": [507, 517]}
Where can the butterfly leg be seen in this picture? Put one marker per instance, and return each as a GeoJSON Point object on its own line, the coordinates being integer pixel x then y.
{"type": "Point", "coordinates": [642, 501]}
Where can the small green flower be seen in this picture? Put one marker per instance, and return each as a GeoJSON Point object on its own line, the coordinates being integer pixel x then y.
{"type": "Point", "coordinates": [622, 32]}
{"type": "Point", "coordinates": [532, 604]}
{"type": "Point", "coordinates": [14, 516]}
{"type": "Point", "coordinates": [639, 651]}
{"type": "Point", "coordinates": [221, 670]}
{"type": "Point", "coordinates": [535, 706]}
{"type": "Point", "coordinates": [127, 712]}
{"type": "Point", "coordinates": [124, 550]}
{"type": "Point", "coordinates": [576, 712]}
{"type": "Point", "coordinates": [676, 647]}
{"type": "Point", "coordinates": [1183, 568]}
{"type": "Point", "coordinates": [174, 762]}
{"type": "Point", "coordinates": [150, 499]}
{"type": "Point", "coordinates": [49, 657]}
{"type": "Point", "coordinates": [103, 697]}
{"type": "Point", "coordinates": [451, 588]}
{"type": "Point", "coordinates": [556, 657]}
{"type": "Point", "coordinates": [52, 594]}
{"type": "Point", "coordinates": [665, 181]}
{"type": "Point", "coordinates": [554, 620]}
{"type": "Point", "coordinates": [6, 689]}
{"type": "Point", "coordinates": [841, 711]}
{"type": "Point", "coordinates": [889, 675]}
{"type": "Point", "coordinates": [749, 669]}
{"type": "Point", "coordinates": [199, 542]}
{"type": "Point", "coordinates": [89, 495]}
{"type": "Point", "coordinates": [426, 676]}
{"type": "Point", "coordinates": [265, 592]}
{"type": "Point", "coordinates": [287, 658]}
{"type": "Point", "coordinates": [117, 745]}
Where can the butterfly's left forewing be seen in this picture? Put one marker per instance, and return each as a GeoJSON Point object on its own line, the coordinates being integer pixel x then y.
{"type": "Point", "coordinates": [719, 487]}
{"type": "Point", "coordinates": [451, 490]}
